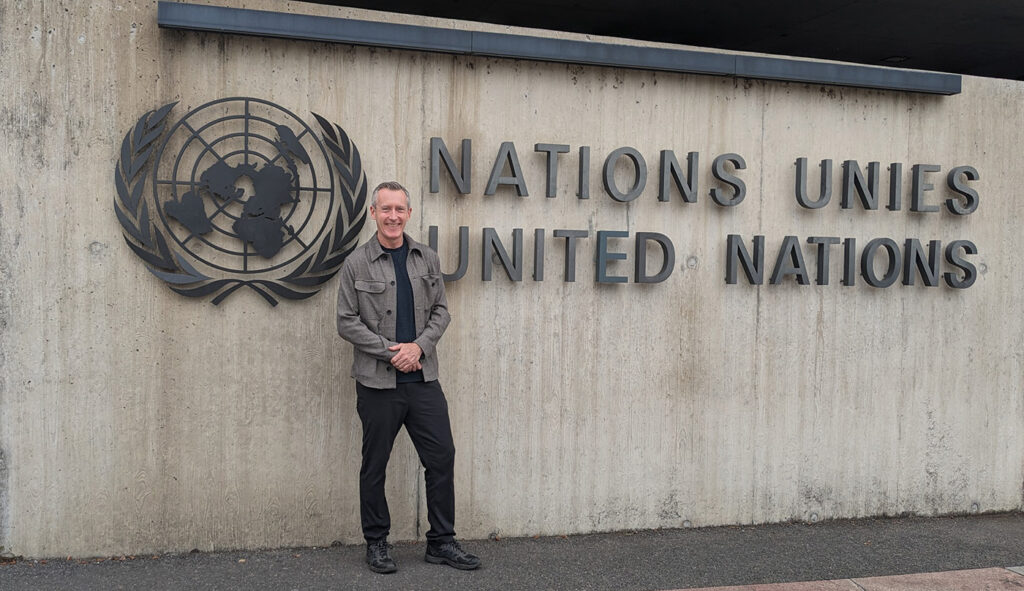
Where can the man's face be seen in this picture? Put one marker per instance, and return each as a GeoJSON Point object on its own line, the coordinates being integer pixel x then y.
{"type": "Point", "coordinates": [391, 214]}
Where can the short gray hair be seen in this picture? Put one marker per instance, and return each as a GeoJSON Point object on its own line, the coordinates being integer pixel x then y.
{"type": "Point", "coordinates": [390, 186]}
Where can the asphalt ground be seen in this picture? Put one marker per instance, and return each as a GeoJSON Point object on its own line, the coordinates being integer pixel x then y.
{"type": "Point", "coordinates": [658, 559]}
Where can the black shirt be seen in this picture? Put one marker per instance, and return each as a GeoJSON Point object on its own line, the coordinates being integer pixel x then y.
{"type": "Point", "coordinates": [405, 309]}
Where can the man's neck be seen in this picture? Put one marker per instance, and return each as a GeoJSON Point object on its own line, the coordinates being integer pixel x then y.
{"type": "Point", "coordinates": [391, 244]}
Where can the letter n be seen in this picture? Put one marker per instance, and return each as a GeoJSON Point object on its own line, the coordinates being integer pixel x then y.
{"type": "Point", "coordinates": [439, 152]}
{"type": "Point", "coordinates": [753, 267]}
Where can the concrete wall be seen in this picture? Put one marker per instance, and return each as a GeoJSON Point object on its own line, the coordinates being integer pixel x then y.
{"type": "Point", "coordinates": [133, 419]}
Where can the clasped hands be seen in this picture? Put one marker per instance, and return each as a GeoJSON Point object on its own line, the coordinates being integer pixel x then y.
{"type": "Point", "coordinates": [407, 358]}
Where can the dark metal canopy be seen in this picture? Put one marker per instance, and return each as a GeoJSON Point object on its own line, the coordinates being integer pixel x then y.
{"type": "Point", "coordinates": [979, 37]}
{"type": "Point", "coordinates": [543, 47]}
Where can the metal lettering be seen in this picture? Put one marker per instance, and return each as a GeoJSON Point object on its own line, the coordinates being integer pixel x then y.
{"type": "Point", "coordinates": [460, 271]}
{"type": "Point", "coordinates": [853, 182]}
{"type": "Point", "coordinates": [736, 252]}
{"type": "Point", "coordinates": [824, 246]}
{"type": "Point", "coordinates": [570, 250]}
{"type": "Point", "coordinates": [913, 257]}
{"type": "Point", "coordinates": [493, 246]}
{"type": "Point", "coordinates": [668, 260]}
{"type": "Point", "coordinates": [720, 173]}
{"type": "Point", "coordinates": [640, 174]}
{"type": "Point", "coordinates": [670, 170]}
{"type": "Point", "coordinates": [584, 189]}
{"type": "Point", "coordinates": [850, 262]}
{"type": "Point", "coordinates": [824, 194]}
{"type": "Point", "coordinates": [970, 272]}
{"type": "Point", "coordinates": [790, 262]}
{"type": "Point", "coordinates": [538, 254]}
{"type": "Point", "coordinates": [603, 256]}
{"type": "Point", "coordinates": [507, 153]}
{"type": "Point", "coordinates": [920, 186]}
{"type": "Point", "coordinates": [867, 262]}
{"type": "Point", "coordinates": [895, 186]}
{"type": "Point", "coordinates": [439, 152]}
{"type": "Point", "coordinates": [552, 150]}
{"type": "Point", "coordinates": [957, 184]}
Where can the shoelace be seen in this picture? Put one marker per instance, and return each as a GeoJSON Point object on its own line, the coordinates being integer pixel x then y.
{"type": "Point", "coordinates": [454, 547]}
{"type": "Point", "coordinates": [381, 547]}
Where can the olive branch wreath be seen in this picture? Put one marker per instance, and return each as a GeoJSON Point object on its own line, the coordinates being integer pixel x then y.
{"type": "Point", "coordinates": [148, 243]}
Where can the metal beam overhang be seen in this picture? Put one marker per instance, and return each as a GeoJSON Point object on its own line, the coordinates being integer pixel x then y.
{"type": "Point", "coordinates": [220, 19]}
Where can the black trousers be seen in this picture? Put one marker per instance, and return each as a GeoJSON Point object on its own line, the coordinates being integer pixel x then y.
{"type": "Point", "coordinates": [422, 408]}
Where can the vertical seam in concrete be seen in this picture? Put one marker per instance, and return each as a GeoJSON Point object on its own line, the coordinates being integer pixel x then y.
{"type": "Point", "coordinates": [423, 162]}
{"type": "Point", "coordinates": [859, 586]}
{"type": "Point", "coordinates": [5, 307]}
{"type": "Point", "coordinates": [757, 309]}
{"type": "Point", "coordinates": [5, 505]}
{"type": "Point", "coordinates": [900, 505]}
{"type": "Point", "coordinates": [420, 474]}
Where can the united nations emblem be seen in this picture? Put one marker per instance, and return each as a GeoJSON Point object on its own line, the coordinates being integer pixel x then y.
{"type": "Point", "coordinates": [240, 192]}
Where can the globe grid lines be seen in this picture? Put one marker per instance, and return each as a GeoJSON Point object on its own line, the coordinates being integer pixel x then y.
{"type": "Point", "coordinates": [210, 148]}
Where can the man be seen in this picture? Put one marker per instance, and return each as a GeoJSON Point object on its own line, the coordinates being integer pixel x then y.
{"type": "Point", "coordinates": [392, 308]}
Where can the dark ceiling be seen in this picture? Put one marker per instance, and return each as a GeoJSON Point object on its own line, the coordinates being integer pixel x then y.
{"type": "Point", "coordinates": [979, 37]}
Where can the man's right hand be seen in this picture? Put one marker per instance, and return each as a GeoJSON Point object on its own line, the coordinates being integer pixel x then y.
{"type": "Point", "coordinates": [407, 358]}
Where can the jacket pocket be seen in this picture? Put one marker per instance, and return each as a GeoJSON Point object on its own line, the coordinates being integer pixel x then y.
{"type": "Point", "coordinates": [429, 282]}
{"type": "Point", "coordinates": [371, 300]}
{"type": "Point", "coordinates": [428, 286]}
{"type": "Point", "coordinates": [369, 286]}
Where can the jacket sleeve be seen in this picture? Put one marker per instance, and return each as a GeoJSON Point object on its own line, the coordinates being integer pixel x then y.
{"type": "Point", "coordinates": [439, 317]}
{"type": "Point", "coordinates": [350, 324]}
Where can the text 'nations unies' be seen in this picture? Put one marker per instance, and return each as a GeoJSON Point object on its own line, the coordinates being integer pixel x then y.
{"type": "Point", "coordinates": [881, 262]}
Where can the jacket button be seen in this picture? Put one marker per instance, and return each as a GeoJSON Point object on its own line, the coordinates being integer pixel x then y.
{"type": "Point", "coordinates": [389, 368]}
{"type": "Point", "coordinates": [384, 256]}
{"type": "Point", "coordinates": [389, 312]}
{"type": "Point", "coordinates": [392, 283]}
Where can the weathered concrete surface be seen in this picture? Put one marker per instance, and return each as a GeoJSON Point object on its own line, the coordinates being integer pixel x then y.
{"type": "Point", "coordinates": [135, 420]}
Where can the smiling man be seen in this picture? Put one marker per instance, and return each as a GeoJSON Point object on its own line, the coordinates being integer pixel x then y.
{"type": "Point", "coordinates": [392, 308]}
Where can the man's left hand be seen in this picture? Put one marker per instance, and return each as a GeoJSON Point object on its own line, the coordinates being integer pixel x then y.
{"type": "Point", "coordinates": [407, 358]}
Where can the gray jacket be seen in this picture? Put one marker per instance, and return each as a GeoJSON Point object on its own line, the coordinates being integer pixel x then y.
{"type": "Point", "coordinates": [367, 297]}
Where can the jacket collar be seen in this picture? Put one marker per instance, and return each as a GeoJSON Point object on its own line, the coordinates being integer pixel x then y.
{"type": "Point", "coordinates": [377, 251]}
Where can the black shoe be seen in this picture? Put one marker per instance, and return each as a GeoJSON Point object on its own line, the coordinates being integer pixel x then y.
{"type": "Point", "coordinates": [452, 554]}
{"type": "Point", "coordinates": [378, 558]}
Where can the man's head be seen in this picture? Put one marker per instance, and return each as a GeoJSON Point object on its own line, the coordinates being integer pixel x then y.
{"type": "Point", "coordinates": [390, 207]}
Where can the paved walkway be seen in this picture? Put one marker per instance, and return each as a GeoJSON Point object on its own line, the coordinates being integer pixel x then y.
{"type": "Point", "coordinates": [973, 553]}
{"type": "Point", "coordinates": [984, 579]}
